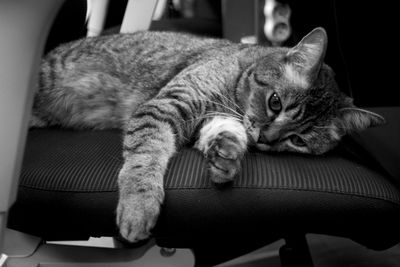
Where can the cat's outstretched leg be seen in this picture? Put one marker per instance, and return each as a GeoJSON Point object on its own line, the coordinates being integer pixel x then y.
{"type": "Point", "coordinates": [223, 140]}
{"type": "Point", "coordinates": [152, 136]}
{"type": "Point", "coordinates": [148, 145]}
{"type": "Point", "coordinates": [155, 132]}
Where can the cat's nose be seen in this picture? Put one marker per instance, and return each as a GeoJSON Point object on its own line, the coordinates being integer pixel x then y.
{"type": "Point", "coordinates": [269, 136]}
{"type": "Point", "coordinates": [267, 139]}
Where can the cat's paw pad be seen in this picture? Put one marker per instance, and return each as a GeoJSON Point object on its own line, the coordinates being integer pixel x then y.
{"type": "Point", "coordinates": [136, 216]}
{"type": "Point", "coordinates": [224, 155]}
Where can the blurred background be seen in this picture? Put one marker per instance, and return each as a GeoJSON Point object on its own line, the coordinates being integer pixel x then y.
{"type": "Point", "coordinates": [362, 36]}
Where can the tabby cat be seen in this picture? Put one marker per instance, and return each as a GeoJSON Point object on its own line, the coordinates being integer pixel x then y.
{"type": "Point", "coordinates": [165, 89]}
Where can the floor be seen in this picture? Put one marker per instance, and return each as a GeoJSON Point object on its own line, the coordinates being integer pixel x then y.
{"type": "Point", "coordinates": [337, 252]}
{"type": "Point", "coordinates": [326, 251]}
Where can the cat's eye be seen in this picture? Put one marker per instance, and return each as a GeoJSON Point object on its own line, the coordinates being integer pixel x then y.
{"type": "Point", "coordinates": [297, 140]}
{"type": "Point", "coordinates": [274, 103]}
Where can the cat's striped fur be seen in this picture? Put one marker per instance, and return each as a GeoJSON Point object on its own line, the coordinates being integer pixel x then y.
{"type": "Point", "coordinates": [166, 89]}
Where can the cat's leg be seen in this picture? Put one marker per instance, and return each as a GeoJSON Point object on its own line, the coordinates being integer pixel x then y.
{"type": "Point", "coordinates": [155, 132]}
{"type": "Point", "coordinates": [147, 149]}
{"type": "Point", "coordinates": [223, 140]}
{"type": "Point", "coordinates": [152, 136]}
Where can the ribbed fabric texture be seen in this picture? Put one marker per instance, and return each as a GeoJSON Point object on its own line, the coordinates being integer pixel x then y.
{"type": "Point", "coordinates": [330, 173]}
{"type": "Point", "coordinates": [89, 161]}
{"type": "Point", "coordinates": [72, 161]}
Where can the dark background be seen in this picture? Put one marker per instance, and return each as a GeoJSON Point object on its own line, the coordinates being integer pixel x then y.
{"type": "Point", "coordinates": [362, 47]}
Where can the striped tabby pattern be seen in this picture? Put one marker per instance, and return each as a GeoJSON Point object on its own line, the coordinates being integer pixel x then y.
{"type": "Point", "coordinates": [166, 90]}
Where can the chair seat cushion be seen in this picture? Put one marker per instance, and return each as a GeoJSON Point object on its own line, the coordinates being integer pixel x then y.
{"type": "Point", "coordinates": [68, 190]}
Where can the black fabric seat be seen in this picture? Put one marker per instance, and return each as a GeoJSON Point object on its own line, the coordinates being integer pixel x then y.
{"type": "Point", "coordinates": [68, 190]}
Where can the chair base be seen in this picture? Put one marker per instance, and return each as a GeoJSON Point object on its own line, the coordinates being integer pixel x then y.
{"type": "Point", "coordinates": [295, 252]}
{"type": "Point", "coordinates": [23, 250]}
{"type": "Point", "coordinates": [26, 250]}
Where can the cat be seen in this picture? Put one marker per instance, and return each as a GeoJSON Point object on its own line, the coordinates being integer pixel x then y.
{"type": "Point", "coordinates": [165, 89]}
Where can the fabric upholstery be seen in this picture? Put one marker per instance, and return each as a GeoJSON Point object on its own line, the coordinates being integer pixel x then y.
{"type": "Point", "coordinates": [68, 190]}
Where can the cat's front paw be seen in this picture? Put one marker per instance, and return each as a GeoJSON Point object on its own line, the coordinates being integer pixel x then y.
{"type": "Point", "coordinates": [136, 216]}
{"type": "Point", "coordinates": [224, 155]}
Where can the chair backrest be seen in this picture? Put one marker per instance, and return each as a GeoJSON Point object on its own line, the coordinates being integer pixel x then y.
{"type": "Point", "coordinates": [20, 50]}
{"type": "Point", "coordinates": [138, 15]}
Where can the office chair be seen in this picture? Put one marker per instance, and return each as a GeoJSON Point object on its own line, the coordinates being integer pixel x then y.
{"type": "Point", "coordinates": [67, 186]}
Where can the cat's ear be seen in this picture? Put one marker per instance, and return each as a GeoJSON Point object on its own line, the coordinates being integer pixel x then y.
{"type": "Point", "coordinates": [308, 55]}
{"type": "Point", "coordinates": [353, 118]}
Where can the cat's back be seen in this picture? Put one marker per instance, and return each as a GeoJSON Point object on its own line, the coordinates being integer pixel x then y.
{"type": "Point", "coordinates": [145, 46]}
{"type": "Point", "coordinates": [134, 58]}
{"type": "Point", "coordinates": [112, 75]}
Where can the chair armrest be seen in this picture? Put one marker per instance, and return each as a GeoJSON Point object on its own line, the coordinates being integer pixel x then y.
{"type": "Point", "coordinates": [24, 25]}
{"type": "Point", "coordinates": [138, 15]}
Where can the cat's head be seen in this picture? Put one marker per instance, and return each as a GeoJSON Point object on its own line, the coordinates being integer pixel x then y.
{"type": "Point", "coordinates": [292, 102]}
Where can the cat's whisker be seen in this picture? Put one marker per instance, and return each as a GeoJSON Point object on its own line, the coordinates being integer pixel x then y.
{"type": "Point", "coordinates": [212, 115]}
{"type": "Point", "coordinates": [230, 101]}
{"type": "Point", "coordinates": [233, 116]}
{"type": "Point", "coordinates": [224, 106]}
{"type": "Point", "coordinates": [236, 115]}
